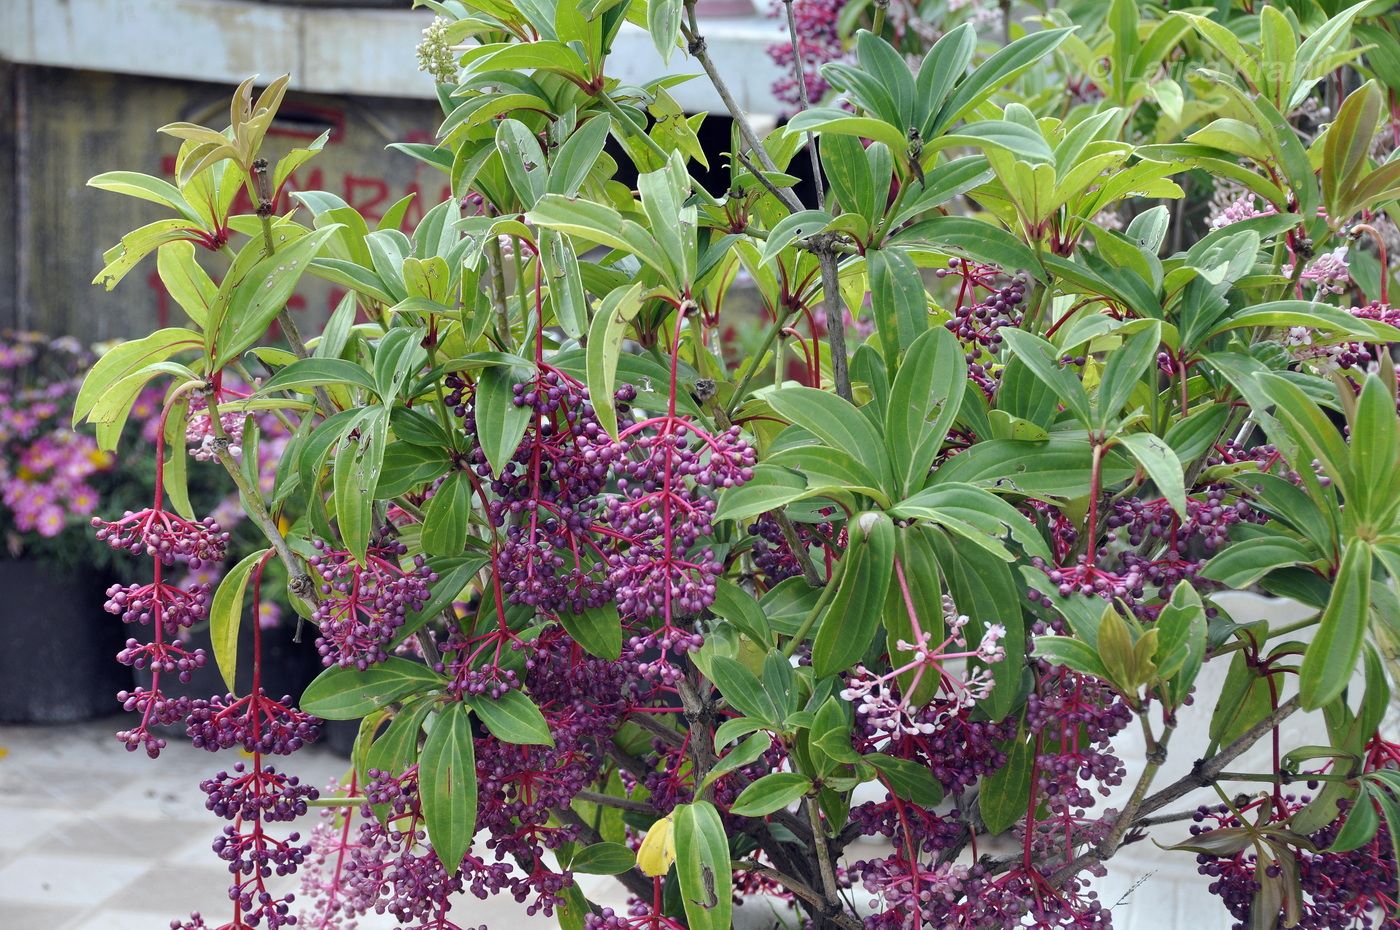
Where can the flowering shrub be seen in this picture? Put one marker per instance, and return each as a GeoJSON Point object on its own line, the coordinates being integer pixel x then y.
{"type": "Point", "coordinates": [46, 472]}
{"type": "Point", "coordinates": [611, 595]}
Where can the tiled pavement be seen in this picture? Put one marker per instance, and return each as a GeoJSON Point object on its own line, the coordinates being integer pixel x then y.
{"type": "Point", "coordinates": [95, 838]}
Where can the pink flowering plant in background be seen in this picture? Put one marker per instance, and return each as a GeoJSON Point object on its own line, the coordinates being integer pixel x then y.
{"type": "Point", "coordinates": [49, 471]}
{"type": "Point", "coordinates": [688, 535]}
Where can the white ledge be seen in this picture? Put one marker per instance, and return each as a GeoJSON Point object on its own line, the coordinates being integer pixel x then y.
{"type": "Point", "coordinates": [368, 52]}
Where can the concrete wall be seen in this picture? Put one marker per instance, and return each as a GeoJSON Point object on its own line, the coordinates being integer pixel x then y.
{"type": "Point", "coordinates": [62, 127]}
{"type": "Point", "coordinates": [84, 84]}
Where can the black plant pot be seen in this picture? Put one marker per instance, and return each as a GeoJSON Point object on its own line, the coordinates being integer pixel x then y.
{"type": "Point", "coordinates": [339, 736]}
{"type": "Point", "coordinates": [59, 662]}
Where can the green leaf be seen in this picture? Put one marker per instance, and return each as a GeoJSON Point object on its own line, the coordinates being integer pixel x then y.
{"type": "Point", "coordinates": [850, 622]}
{"type": "Point", "coordinates": [512, 718]}
{"type": "Point", "coordinates": [1346, 146]}
{"type": "Point", "coordinates": [125, 360]}
{"type": "Point", "coordinates": [790, 228]}
{"type": "Point", "coordinates": [742, 689]}
{"type": "Point", "coordinates": [1124, 370]}
{"type": "Point", "coordinates": [187, 283]}
{"type": "Point", "coordinates": [1244, 563]}
{"type": "Point", "coordinates": [599, 224]}
{"type": "Point", "coordinates": [738, 606]}
{"type": "Point", "coordinates": [1331, 657]}
{"type": "Point", "coordinates": [446, 516]}
{"type": "Point", "coordinates": [347, 693]}
{"type": "Point", "coordinates": [835, 421]}
{"type": "Point", "coordinates": [897, 300]}
{"type": "Point", "coordinates": [1161, 465]}
{"type": "Point", "coordinates": [929, 384]}
{"type": "Point", "coordinates": [1181, 641]}
{"type": "Point", "coordinates": [749, 750]}
{"type": "Point", "coordinates": [770, 488]}
{"type": "Point", "coordinates": [523, 161]}
{"type": "Point", "coordinates": [576, 157]}
{"type": "Point", "coordinates": [917, 567]}
{"type": "Point", "coordinates": [500, 424]}
{"type": "Point", "coordinates": [1003, 796]}
{"type": "Point", "coordinates": [605, 337]}
{"type": "Point", "coordinates": [566, 293]}
{"type": "Point", "coordinates": [597, 629]}
{"type": "Point", "coordinates": [1375, 454]}
{"type": "Point", "coordinates": [972, 239]}
{"type": "Point", "coordinates": [407, 468]}
{"type": "Point", "coordinates": [454, 574]}
{"type": "Point", "coordinates": [1043, 359]}
{"type": "Point", "coordinates": [262, 293]}
{"type": "Point", "coordinates": [144, 187]}
{"type": "Point", "coordinates": [603, 859]}
{"type": "Point", "coordinates": [999, 69]}
{"type": "Point", "coordinates": [447, 786]}
{"type": "Point", "coordinates": [1361, 825]}
{"type": "Point", "coordinates": [908, 780]}
{"type": "Point", "coordinates": [664, 24]}
{"type": "Point", "coordinates": [770, 793]}
{"type": "Point", "coordinates": [702, 867]}
{"type": "Point", "coordinates": [397, 748]}
{"type": "Point", "coordinates": [355, 478]}
{"type": "Point", "coordinates": [1071, 653]}
{"type": "Point", "coordinates": [306, 374]}
{"type": "Point", "coordinates": [226, 615]}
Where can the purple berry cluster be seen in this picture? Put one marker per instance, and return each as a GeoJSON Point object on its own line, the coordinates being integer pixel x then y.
{"type": "Point", "coordinates": [545, 500]}
{"type": "Point", "coordinates": [1338, 889]}
{"type": "Point", "coordinates": [363, 606]}
{"type": "Point", "coordinates": [255, 722]}
{"type": "Point", "coordinates": [165, 536]}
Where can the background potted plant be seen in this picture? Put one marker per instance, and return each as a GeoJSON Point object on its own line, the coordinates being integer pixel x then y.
{"type": "Point", "coordinates": [51, 482]}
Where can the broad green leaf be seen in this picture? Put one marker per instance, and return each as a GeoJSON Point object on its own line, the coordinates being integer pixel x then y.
{"type": "Point", "coordinates": [1124, 370]}
{"type": "Point", "coordinates": [347, 693]}
{"type": "Point", "coordinates": [304, 374]}
{"type": "Point", "coordinates": [1331, 657]}
{"type": "Point", "coordinates": [702, 867]}
{"type": "Point", "coordinates": [748, 751]}
{"type": "Point", "coordinates": [447, 785]}
{"type": "Point", "coordinates": [664, 24]}
{"type": "Point", "coordinates": [771, 488]}
{"type": "Point", "coordinates": [834, 421]}
{"type": "Point", "coordinates": [597, 629]}
{"type": "Point", "coordinates": [127, 358]}
{"type": "Point", "coordinates": [187, 283]}
{"type": "Point", "coordinates": [262, 293]}
{"type": "Point", "coordinates": [1043, 359]}
{"type": "Point", "coordinates": [743, 690]}
{"type": "Point", "coordinates": [603, 859]}
{"type": "Point", "coordinates": [1071, 653]}
{"type": "Point", "coordinates": [1161, 465]}
{"type": "Point", "coordinates": [770, 793]}
{"type": "Point", "coordinates": [848, 626]}
{"type": "Point", "coordinates": [605, 337]}
{"type": "Point", "coordinates": [897, 300]}
{"type": "Point", "coordinates": [1004, 794]}
{"type": "Point", "coordinates": [512, 718]}
{"type": "Point", "coordinates": [500, 422]}
{"type": "Point", "coordinates": [908, 780]}
{"type": "Point", "coordinates": [928, 387]}
{"type": "Point", "coordinates": [1244, 563]}
{"type": "Point", "coordinates": [226, 615]}
{"type": "Point", "coordinates": [447, 515]}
